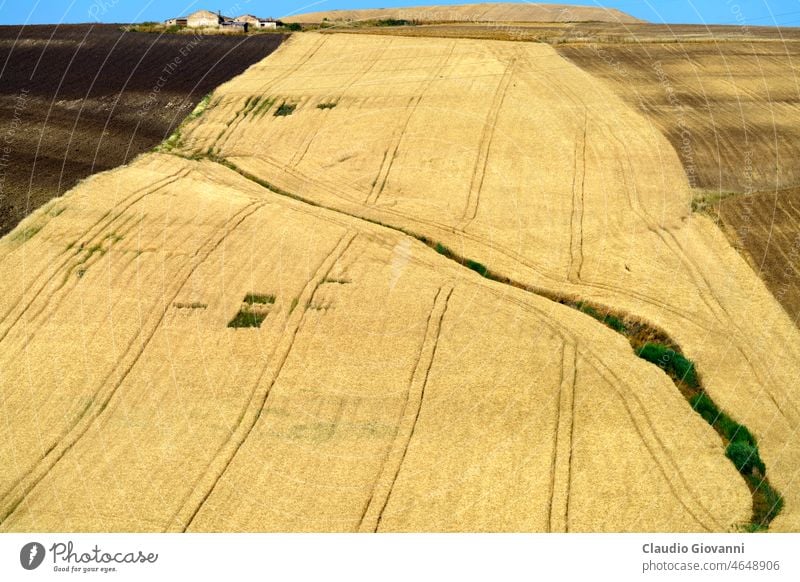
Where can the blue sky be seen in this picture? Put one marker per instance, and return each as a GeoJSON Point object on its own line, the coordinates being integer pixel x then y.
{"type": "Point", "coordinates": [751, 12]}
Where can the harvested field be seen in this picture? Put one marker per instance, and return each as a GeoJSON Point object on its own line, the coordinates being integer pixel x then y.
{"type": "Point", "coordinates": [589, 200]}
{"type": "Point", "coordinates": [492, 12]}
{"type": "Point", "coordinates": [730, 109]}
{"type": "Point", "coordinates": [79, 99]}
{"type": "Point", "coordinates": [557, 33]}
{"type": "Point", "coordinates": [765, 226]}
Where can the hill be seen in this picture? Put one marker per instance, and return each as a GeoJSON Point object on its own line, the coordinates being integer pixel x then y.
{"type": "Point", "coordinates": [359, 292]}
{"type": "Point", "coordinates": [484, 12]}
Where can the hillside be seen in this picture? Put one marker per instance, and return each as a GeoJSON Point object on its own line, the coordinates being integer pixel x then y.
{"type": "Point", "coordinates": [527, 164]}
{"type": "Point", "coordinates": [343, 298]}
{"type": "Point", "coordinates": [385, 389]}
{"type": "Point", "coordinates": [485, 12]}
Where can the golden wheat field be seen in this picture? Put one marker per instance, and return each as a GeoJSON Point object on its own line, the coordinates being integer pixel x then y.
{"type": "Point", "coordinates": [385, 389]}
{"type": "Point", "coordinates": [251, 331]}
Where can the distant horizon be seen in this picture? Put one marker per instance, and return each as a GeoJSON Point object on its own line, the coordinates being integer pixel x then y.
{"type": "Point", "coordinates": [783, 13]}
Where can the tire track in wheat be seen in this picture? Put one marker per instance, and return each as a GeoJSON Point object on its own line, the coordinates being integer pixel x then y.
{"type": "Point", "coordinates": [230, 130]}
{"type": "Point", "coordinates": [93, 232]}
{"type": "Point", "coordinates": [301, 152]}
{"type": "Point", "coordinates": [576, 216]}
{"type": "Point", "coordinates": [203, 489]}
{"type": "Point", "coordinates": [484, 145]}
{"type": "Point", "coordinates": [397, 138]}
{"type": "Point", "coordinates": [38, 317]}
{"type": "Point", "coordinates": [561, 470]}
{"type": "Point", "coordinates": [23, 486]}
{"type": "Point", "coordinates": [382, 491]}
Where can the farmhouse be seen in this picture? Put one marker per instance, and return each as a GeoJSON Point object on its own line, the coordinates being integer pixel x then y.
{"type": "Point", "coordinates": [257, 22]}
{"type": "Point", "coordinates": [206, 19]}
{"type": "Point", "coordinates": [234, 24]}
{"type": "Point", "coordinates": [248, 18]}
{"type": "Point", "coordinates": [180, 21]}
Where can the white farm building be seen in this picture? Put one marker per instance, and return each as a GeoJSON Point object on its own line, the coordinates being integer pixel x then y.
{"type": "Point", "coordinates": [256, 22]}
{"type": "Point", "coordinates": [205, 19]}
{"type": "Point", "coordinates": [208, 19]}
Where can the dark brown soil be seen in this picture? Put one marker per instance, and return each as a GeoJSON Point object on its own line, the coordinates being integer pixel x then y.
{"type": "Point", "coordinates": [80, 99]}
{"type": "Point", "coordinates": [765, 227]}
{"type": "Point", "coordinates": [729, 107]}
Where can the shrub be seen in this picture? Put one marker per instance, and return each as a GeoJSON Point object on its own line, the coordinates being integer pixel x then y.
{"type": "Point", "coordinates": [767, 503]}
{"type": "Point", "coordinates": [671, 362]}
{"type": "Point", "coordinates": [393, 22]}
{"type": "Point", "coordinates": [705, 407]}
{"type": "Point", "coordinates": [611, 321]}
{"type": "Point", "coordinates": [745, 457]}
{"type": "Point", "coordinates": [326, 105]}
{"type": "Point", "coordinates": [293, 26]}
{"type": "Point", "coordinates": [285, 109]}
{"type": "Point", "coordinates": [724, 424]}
{"type": "Point", "coordinates": [443, 250]}
{"type": "Point", "coordinates": [734, 431]}
{"type": "Point", "coordinates": [477, 267]}
{"type": "Point", "coordinates": [615, 323]}
{"type": "Point", "coordinates": [247, 319]}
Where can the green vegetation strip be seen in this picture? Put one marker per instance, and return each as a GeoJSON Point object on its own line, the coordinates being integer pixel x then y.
{"type": "Point", "coordinates": [247, 319]}
{"type": "Point", "coordinates": [741, 446]}
{"type": "Point", "coordinates": [252, 298]}
{"type": "Point", "coordinates": [657, 348]}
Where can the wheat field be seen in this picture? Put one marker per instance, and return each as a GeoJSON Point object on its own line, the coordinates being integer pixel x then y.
{"type": "Point", "coordinates": [385, 387]}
